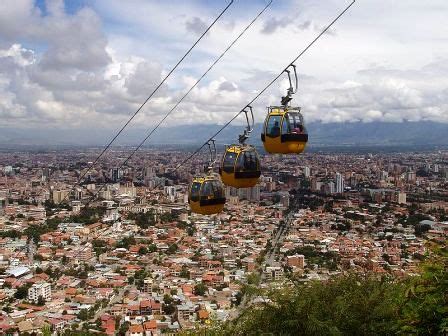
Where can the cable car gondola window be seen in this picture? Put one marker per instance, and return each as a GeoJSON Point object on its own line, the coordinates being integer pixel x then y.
{"type": "Point", "coordinates": [273, 126]}
{"type": "Point", "coordinates": [285, 125]}
{"type": "Point", "coordinates": [207, 189]}
{"type": "Point", "coordinates": [296, 123]}
{"type": "Point", "coordinates": [195, 188]}
{"type": "Point", "coordinates": [229, 162]}
{"type": "Point", "coordinates": [247, 161]}
{"type": "Point", "coordinates": [217, 189]}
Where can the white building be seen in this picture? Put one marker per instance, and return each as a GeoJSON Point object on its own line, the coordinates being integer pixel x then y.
{"type": "Point", "coordinates": [273, 273]}
{"type": "Point", "coordinates": [307, 172]}
{"type": "Point", "coordinates": [401, 198]}
{"type": "Point", "coordinates": [41, 289]}
{"type": "Point", "coordinates": [339, 183]}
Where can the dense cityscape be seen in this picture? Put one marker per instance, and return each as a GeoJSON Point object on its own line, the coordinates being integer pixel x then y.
{"type": "Point", "coordinates": [121, 253]}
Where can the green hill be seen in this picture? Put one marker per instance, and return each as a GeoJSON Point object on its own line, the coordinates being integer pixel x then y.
{"type": "Point", "coordinates": [351, 305]}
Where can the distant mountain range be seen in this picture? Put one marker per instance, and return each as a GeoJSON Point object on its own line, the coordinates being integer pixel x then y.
{"type": "Point", "coordinates": [357, 134]}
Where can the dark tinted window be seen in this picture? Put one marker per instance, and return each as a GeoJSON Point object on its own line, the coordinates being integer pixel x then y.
{"type": "Point", "coordinates": [194, 192]}
{"type": "Point", "coordinates": [296, 123]}
{"type": "Point", "coordinates": [212, 189]}
{"type": "Point", "coordinates": [273, 126]}
{"type": "Point", "coordinates": [229, 162]}
{"type": "Point", "coordinates": [247, 161]}
{"type": "Point", "coordinates": [207, 189]}
{"type": "Point", "coordinates": [285, 125]}
{"type": "Point", "coordinates": [218, 189]}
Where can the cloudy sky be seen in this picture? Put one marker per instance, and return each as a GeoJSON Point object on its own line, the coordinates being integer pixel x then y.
{"type": "Point", "coordinates": [84, 63]}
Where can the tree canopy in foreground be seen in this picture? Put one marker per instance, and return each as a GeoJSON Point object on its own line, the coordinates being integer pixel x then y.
{"type": "Point", "coordinates": [351, 305]}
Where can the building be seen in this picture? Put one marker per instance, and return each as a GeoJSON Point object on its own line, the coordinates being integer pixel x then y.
{"type": "Point", "coordinates": [411, 177]}
{"type": "Point", "coordinates": [116, 174]}
{"type": "Point", "coordinates": [84, 253]}
{"type": "Point", "coordinates": [306, 172]}
{"type": "Point", "coordinates": [297, 260]}
{"type": "Point", "coordinates": [401, 198]}
{"type": "Point", "coordinates": [274, 273]}
{"type": "Point", "coordinates": [59, 195]}
{"type": "Point", "coordinates": [147, 285]}
{"type": "Point", "coordinates": [39, 290]}
{"type": "Point", "coordinates": [250, 194]}
{"type": "Point", "coordinates": [339, 183]}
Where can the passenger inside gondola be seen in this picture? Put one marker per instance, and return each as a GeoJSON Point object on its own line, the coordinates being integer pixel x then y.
{"type": "Point", "coordinates": [250, 163]}
{"type": "Point", "coordinates": [229, 162]}
{"type": "Point", "coordinates": [273, 126]}
{"type": "Point", "coordinates": [195, 189]}
{"type": "Point", "coordinates": [295, 123]}
{"type": "Point", "coordinates": [207, 190]}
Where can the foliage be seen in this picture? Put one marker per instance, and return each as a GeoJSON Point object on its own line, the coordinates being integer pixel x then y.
{"type": "Point", "coordinates": [40, 301]}
{"type": "Point", "coordinates": [123, 329]}
{"type": "Point", "coordinates": [99, 246]}
{"type": "Point", "coordinates": [143, 220]}
{"type": "Point", "coordinates": [83, 315]}
{"type": "Point", "coordinates": [82, 333]}
{"type": "Point", "coordinates": [350, 305]}
{"type": "Point", "coordinates": [425, 311]}
{"type": "Point", "coordinates": [22, 292]}
{"type": "Point", "coordinates": [126, 242]}
{"type": "Point", "coordinates": [184, 273]}
{"type": "Point", "coordinates": [172, 249]}
{"type": "Point", "coordinates": [167, 217]}
{"type": "Point", "coordinates": [200, 289]}
{"type": "Point", "coordinates": [35, 231]}
{"type": "Point", "coordinates": [10, 234]}
{"type": "Point", "coordinates": [88, 215]}
{"type": "Point", "coordinates": [313, 256]}
{"type": "Point", "coordinates": [167, 299]}
{"type": "Point", "coordinates": [46, 330]}
{"type": "Point", "coordinates": [142, 250]}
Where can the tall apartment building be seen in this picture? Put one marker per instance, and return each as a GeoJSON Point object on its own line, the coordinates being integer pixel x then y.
{"type": "Point", "coordinates": [339, 183]}
{"type": "Point", "coordinates": [59, 195]}
{"type": "Point", "coordinates": [306, 172]}
{"type": "Point", "coordinates": [39, 289]}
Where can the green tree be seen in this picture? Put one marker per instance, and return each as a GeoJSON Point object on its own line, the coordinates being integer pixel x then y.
{"type": "Point", "coordinates": [123, 329]}
{"type": "Point", "coordinates": [46, 330]}
{"type": "Point", "coordinates": [22, 292]}
{"type": "Point", "coordinates": [425, 311]}
{"type": "Point", "coordinates": [40, 301]}
{"type": "Point", "coordinates": [152, 248]}
{"type": "Point", "coordinates": [200, 289]}
{"type": "Point", "coordinates": [172, 249]}
{"type": "Point", "coordinates": [167, 299]}
{"type": "Point", "coordinates": [83, 315]}
{"type": "Point", "coordinates": [142, 250]}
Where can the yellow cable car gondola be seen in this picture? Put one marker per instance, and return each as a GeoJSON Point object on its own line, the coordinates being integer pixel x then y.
{"type": "Point", "coordinates": [206, 195]}
{"type": "Point", "coordinates": [284, 129]}
{"type": "Point", "coordinates": [240, 165]}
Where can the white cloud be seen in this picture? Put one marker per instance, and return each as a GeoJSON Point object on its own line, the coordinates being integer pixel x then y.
{"type": "Point", "coordinates": [99, 64]}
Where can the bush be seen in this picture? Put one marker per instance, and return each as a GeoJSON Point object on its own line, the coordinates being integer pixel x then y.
{"type": "Point", "coordinates": [351, 305]}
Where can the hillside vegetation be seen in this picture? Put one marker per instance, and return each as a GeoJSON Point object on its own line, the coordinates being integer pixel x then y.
{"type": "Point", "coordinates": [351, 305]}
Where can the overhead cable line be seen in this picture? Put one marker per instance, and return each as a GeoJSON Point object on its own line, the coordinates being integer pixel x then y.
{"type": "Point", "coordinates": [148, 98]}
{"type": "Point", "coordinates": [180, 100]}
{"type": "Point", "coordinates": [191, 89]}
{"type": "Point", "coordinates": [257, 96]}
{"type": "Point", "coordinates": [266, 87]}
